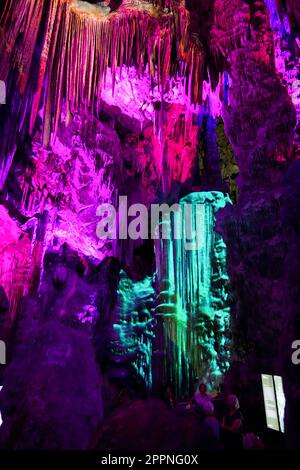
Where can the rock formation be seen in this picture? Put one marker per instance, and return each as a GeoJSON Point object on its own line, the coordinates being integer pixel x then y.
{"type": "Point", "coordinates": [160, 101]}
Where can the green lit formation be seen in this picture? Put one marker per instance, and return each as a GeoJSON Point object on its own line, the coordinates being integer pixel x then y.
{"type": "Point", "coordinates": [228, 164]}
{"type": "Point", "coordinates": [193, 302]}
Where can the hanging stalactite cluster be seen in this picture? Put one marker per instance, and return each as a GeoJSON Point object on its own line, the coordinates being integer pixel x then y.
{"type": "Point", "coordinates": [59, 52]}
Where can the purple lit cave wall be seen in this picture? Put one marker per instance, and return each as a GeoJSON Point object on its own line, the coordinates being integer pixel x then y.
{"type": "Point", "coordinates": [162, 101]}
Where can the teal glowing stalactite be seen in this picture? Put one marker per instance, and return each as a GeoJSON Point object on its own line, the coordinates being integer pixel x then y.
{"type": "Point", "coordinates": [194, 311]}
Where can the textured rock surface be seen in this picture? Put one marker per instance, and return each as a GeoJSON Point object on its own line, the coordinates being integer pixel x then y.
{"type": "Point", "coordinates": [193, 302]}
{"type": "Point", "coordinates": [44, 401]}
{"type": "Point", "coordinates": [166, 431]}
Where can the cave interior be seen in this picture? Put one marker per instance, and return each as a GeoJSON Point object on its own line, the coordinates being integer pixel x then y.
{"type": "Point", "coordinates": [187, 102]}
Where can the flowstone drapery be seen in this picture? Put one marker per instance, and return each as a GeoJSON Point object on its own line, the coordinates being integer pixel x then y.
{"type": "Point", "coordinates": [193, 297]}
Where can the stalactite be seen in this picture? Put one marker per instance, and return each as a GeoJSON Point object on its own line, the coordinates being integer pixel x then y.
{"type": "Point", "coordinates": [27, 35]}
{"type": "Point", "coordinates": [133, 36]}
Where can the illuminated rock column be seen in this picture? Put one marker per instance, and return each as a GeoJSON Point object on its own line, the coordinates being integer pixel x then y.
{"type": "Point", "coordinates": [192, 303]}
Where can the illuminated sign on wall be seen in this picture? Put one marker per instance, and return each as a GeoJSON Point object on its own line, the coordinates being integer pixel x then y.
{"type": "Point", "coordinates": [274, 400]}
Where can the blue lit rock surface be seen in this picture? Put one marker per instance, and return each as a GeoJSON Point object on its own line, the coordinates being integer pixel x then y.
{"type": "Point", "coordinates": [124, 337]}
{"type": "Point", "coordinates": [193, 303]}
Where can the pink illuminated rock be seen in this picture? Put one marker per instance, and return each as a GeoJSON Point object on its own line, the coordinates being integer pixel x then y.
{"type": "Point", "coordinates": [15, 258]}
